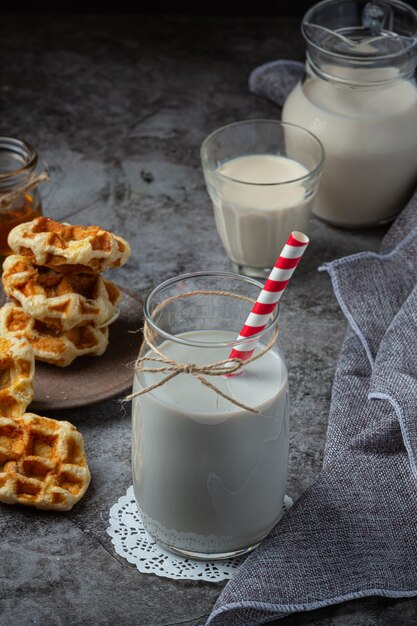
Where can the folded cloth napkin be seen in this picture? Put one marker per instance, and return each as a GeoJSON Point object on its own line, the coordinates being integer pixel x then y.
{"type": "Point", "coordinates": [353, 533]}
{"type": "Point", "coordinates": [274, 80]}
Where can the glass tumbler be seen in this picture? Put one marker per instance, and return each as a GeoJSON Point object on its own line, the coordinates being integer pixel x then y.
{"type": "Point", "coordinates": [262, 177]}
{"type": "Point", "coordinates": [209, 477]}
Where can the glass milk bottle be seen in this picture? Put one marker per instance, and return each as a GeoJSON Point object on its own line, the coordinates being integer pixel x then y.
{"type": "Point", "coordinates": [359, 97]}
{"type": "Point", "coordinates": [209, 476]}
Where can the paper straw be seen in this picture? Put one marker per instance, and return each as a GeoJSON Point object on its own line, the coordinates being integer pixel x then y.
{"type": "Point", "coordinates": [271, 293]}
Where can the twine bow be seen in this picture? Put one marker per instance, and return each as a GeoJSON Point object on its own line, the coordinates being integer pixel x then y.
{"type": "Point", "coordinates": [200, 372]}
{"type": "Point", "coordinates": [7, 199]}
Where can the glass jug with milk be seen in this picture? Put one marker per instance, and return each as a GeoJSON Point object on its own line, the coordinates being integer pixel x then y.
{"type": "Point", "coordinates": [359, 97]}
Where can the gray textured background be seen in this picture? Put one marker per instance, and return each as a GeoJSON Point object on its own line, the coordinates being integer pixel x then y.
{"type": "Point", "coordinates": [113, 103]}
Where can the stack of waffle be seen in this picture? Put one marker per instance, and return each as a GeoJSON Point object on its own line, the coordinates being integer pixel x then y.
{"type": "Point", "coordinates": [60, 302]}
{"type": "Point", "coordinates": [42, 460]}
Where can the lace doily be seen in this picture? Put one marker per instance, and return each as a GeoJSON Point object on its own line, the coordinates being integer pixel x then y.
{"type": "Point", "coordinates": [132, 542]}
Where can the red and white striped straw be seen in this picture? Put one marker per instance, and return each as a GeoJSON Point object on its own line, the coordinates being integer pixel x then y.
{"type": "Point", "coordinates": [271, 293]}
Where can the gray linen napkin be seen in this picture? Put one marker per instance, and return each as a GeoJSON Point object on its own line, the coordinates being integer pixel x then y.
{"type": "Point", "coordinates": [353, 533]}
{"type": "Point", "coordinates": [274, 80]}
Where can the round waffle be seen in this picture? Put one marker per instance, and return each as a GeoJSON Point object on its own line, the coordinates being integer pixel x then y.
{"type": "Point", "coordinates": [42, 463]}
{"type": "Point", "coordinates": [61, 300]}
{"type": "Point", "coordinates": [48, 342]}
{"type": "Point", "coordinates": [67, 248]}
{"type": "Point", "coordinates": [17, 368]}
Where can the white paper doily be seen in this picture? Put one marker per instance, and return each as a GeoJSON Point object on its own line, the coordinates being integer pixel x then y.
{"type": "Point", "coordinates": [132, 542]}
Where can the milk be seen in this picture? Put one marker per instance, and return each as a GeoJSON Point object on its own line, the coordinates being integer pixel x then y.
{"type": "Point", "coordinates": [209, 477]}
{"type": "Point", "coordinates": [370, 139]}
{"type": "Point", "coordinates": [254, 220]}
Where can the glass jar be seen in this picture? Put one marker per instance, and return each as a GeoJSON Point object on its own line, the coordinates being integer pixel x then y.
{"type": "Point", "coordinates": [359, 97]}
{"type": "Point", "coordinates": [209, 477]}
{"type": "Point", "coordinates": [19, 200]}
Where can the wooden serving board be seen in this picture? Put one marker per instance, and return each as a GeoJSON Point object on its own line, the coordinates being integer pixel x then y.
{"type": "Point", "coordinates": [93, 379]}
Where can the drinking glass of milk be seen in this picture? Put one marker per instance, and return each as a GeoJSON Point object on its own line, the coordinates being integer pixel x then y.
{"type": "Point", "coordinates": [359, 97]}
{"type": "Point", "coordinates": [209, 475]}
{"type": "Point", "coordinates": [262, 177]}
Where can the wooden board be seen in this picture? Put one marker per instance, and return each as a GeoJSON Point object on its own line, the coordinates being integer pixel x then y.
{"type": "Point", "coordinates": [92, 379]}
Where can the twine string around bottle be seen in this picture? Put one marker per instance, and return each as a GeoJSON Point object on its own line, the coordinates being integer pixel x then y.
{"type": "Point", "coordinates": [9, 197]}
{"type": "Point", "coordinates": [173, 368]}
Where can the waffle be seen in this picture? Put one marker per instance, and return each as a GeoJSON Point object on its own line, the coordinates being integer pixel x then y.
{"type": "Point", "coordinates": [61, 300]}
{"type": "Point", "coordinates": [42, 463]}
{"type": "Point", "coordinates": [17, 367]}
{"type": "Point", "coordinates": [49, 343]}
{"type": "Point", "coordinates": [67, 248]}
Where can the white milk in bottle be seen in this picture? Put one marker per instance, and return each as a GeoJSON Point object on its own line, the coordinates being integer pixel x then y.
{"type": "Point", "coordinates": [209, 477]}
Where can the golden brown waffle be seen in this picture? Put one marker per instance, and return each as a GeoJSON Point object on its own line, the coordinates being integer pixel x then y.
{"type": "Point", "coordinates": [42, 463]}
{"type": "Point", "coordinates": [61, 300]}
{"type": "Point", "coordinates": [49, 343]}
{"type": "Point", "coordinates": [67, 248]}
{"type": "Point", "coordinates": [17, 368]}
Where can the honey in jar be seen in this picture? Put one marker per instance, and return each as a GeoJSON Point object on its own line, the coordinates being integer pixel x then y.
{"type": "Point", "coordinates": [19, 196]}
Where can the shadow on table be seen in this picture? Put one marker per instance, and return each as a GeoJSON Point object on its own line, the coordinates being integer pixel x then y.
{"type": "Point", "coordinates": [367, 612]}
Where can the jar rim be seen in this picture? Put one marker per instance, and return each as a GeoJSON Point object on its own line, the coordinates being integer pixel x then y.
{"type": "Point", "coordinates": [25, 149]}
{"type": "Point", "coordinates": [208, 344]}
{"type": "Point", "coordinates": [360, 57]}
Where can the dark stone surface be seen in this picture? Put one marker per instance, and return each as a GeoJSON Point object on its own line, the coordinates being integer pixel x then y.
{"type": "Point", "coordinates": [118, 107]}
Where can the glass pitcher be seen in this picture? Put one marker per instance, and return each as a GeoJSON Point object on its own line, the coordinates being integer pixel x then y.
{"type": "Point", "coordinates": [359, 97]}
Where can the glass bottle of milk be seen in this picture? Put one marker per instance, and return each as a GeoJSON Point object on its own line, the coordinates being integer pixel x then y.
{"type": "Point", "coordinates": [209, 476]}
{"type": "Point", "coordinates": [359, 97]}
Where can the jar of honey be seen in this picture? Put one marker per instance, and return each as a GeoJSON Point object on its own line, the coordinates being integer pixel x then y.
{"type": "Point", "coordinates": [19, 178]}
